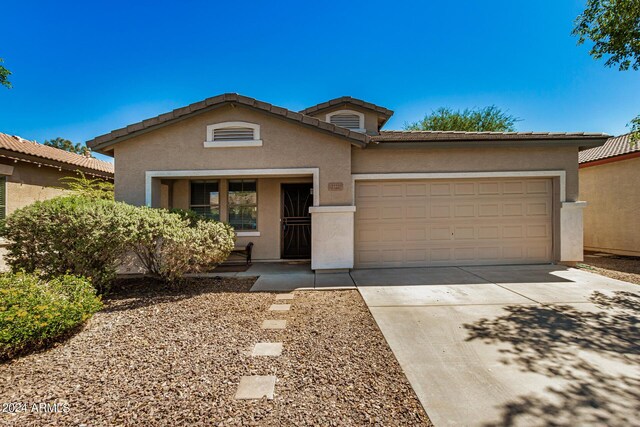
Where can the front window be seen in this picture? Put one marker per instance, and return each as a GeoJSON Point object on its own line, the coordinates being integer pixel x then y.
{"type": "Point", "coordinates": [243, 204]}
{"type": "Point", "coordinates": [205, 199]}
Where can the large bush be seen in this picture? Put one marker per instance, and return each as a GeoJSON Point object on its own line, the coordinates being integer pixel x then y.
{"type": "Point", "coordinates": [172, 244]}
{"type": "Point", "coordinates": [69, 235]}
{"type": "Point", "coordinates": [34, 311]}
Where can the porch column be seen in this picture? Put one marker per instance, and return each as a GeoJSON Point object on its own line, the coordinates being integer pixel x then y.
{"type": "Point", "coordinates": [571, 231]}
{"type": "Point", "coordinates": [156, 193]}
{"type": "Point", "coordinates": [332, 236]}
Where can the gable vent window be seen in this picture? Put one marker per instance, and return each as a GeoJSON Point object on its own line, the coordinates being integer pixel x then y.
{"type": "Point", "coordinates": [233, 134]}
{"type": "Point", "coordinates": [352, 120]}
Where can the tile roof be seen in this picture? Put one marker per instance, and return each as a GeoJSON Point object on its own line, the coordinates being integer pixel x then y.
{"type": "Point", "coordinates": [348, 100]}
{"type": "Point", "coordinates": [32, 148]}
{"type": "Point", "coordinates": [616, 146]}
{"type": "Point", "coordinates": [427, 136]}
{"type": "Point", "coordinates": [103, 141]}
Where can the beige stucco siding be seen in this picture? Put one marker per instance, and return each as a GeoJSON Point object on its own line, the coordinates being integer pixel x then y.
{"type": "Point", "coordinates": [613, 202]}
{"type": "Point", "coordinates": [482, 159]}
{"type": "Point", "coordinates": [29, 183]}
{"type": "Point", "coordinates": [180, 146]}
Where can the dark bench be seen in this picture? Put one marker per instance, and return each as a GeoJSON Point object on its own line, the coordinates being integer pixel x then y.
{"type": "Point", "coordinates": [244, 252]}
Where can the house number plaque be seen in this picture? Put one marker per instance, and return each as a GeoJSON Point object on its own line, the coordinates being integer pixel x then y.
{"type": "Point", "coordinates": [335, 186]}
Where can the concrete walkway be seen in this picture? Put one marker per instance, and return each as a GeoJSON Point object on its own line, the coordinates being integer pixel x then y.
{"type": "Point", "coordinates": [291, 276]}
{"type": "Point", "coordinates": [514, 345]}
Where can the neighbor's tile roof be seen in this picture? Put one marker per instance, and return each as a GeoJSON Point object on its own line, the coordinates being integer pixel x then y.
{"type": "Point", "coordinates": [32, 148]}
{"type": "Point", "coordinates": [216, 101]}
{"type": "Point", "coordinates": [616, 146]}
{"type": "Point", "coordinates": [426, 136]}
{"type": "Point", "coordinates": [348, 100]}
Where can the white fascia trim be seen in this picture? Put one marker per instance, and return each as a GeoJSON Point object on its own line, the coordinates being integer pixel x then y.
{"type": "Point", "coordinates": [217, 173]}
{"type": "Point", "coordinates": [332, 209]}
{"type": "Point", "coordinates": [562, 175]}
{"type": "Point", "coordinates": [226, 144]}
{"type": "Point", "coordinates": [248, 233]}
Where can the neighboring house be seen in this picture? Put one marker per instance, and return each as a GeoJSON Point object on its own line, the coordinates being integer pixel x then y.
{"type": "Point", "coordinates": [610, 182]}
{"type": "Point", "coordinates": [326, 183]}
{"type": "Point", "coordinates": [30, 171]}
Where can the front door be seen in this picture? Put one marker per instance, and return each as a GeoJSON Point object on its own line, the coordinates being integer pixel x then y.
{"type": "Point", "coordinates": [296, 220]}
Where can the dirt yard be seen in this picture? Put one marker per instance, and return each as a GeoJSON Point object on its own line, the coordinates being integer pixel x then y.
{"type": "Point", "coordinates": [619, 267]}
{"type": "Point", "coordinates": [159, 357]}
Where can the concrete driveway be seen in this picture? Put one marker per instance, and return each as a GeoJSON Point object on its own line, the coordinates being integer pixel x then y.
{"type": "Point", "coordinates": [512, 345]}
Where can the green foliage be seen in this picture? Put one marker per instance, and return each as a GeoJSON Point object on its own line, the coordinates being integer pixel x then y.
{"type": "Point", "coordinates": [487, 119]}
{"type": "Point", "coordinates": [190, 216]}
{"type": "Point", "coordinates": [4, 76]}
{"type": "Point", "coordinates": [66, 145]}
{"type": "Point", "coordinates": [34, 312]}
{"type": "Point", "coordinates": [95, 188]}
{"type": "Point", "coordinates": [614, 28]}
{"type": "Point", "coordinates": [70, 235]}
{"type": "Point", "coordinates": [171, 244]}
{"type": "Point", "coordinates": [635, 130]}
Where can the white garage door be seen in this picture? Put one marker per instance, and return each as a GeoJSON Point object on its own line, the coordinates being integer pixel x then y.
{"type": "Point", "coordinates": [453, 222]}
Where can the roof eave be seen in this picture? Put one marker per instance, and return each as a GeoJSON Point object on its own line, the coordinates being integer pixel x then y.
{"type": "Point", "coordinates": [355, 138]}
{"type": "Point", "coordinates": [582, 144]}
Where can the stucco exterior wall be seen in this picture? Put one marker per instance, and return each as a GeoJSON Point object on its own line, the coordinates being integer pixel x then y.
{"type": "Point", "coordinates": [613, 202]}
{"type": "Point", "coordinates": [180, 146]}
{"type": "Point", "coordinates": [481, 159]}
{"type": "Point", "coordinates": [29, 183]}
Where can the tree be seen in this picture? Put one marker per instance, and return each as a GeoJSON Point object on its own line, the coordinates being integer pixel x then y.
{"type": "Point", "coordinates": [487, 119]}
{"type": "Point", "coordinates": [66, 145]}
{"type": "Point", "coordinates": [91, 188]}
{"type": "Point", "coordinates": [614, 28]}
{"type": "Point", "coordinates": [4, 75]}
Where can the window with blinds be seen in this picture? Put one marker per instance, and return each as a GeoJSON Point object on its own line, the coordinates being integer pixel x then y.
{"type": "Point", "coordinates": [3, 197]}
{"type": "Point", "coordinates": [205, 199]}
{"type": "Point", "coordinates": [243, 204]}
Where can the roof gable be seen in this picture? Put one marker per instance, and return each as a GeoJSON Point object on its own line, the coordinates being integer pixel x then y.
{"type": "Point", "coordinates": [346, 101]}
{"type": "Point", "coordinates": [101, 143]}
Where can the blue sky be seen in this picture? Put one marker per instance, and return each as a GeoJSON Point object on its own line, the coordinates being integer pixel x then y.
{"type": "Point", "coordinates": [81, 69]}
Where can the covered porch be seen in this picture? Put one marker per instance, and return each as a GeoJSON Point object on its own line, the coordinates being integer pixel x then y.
{"type": "Point", "coordinates": [268, 207]}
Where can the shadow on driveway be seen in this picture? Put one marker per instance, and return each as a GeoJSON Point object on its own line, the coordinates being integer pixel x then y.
{"type": "Point", "coordinates": [594, 347]}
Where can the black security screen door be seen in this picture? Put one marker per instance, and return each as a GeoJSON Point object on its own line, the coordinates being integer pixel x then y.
{"type": "Point", "coordinates": [296, 220]}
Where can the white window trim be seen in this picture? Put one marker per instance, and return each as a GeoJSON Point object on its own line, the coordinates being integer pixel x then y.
{"type": "Point", "coordinates": [248, 233]}
{"type": "Point", "coordinates": [360, 115]}
{"type": "Point", "coordinates": [255, 142]}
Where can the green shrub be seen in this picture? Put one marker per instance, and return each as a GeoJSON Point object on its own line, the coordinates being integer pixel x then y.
{"type": "Point", "coordinates": [168, 246]}
{"type": "Point", "coordinates": [34, 311]}
{"type": "Point", "coordinates": [69, 235]}
{"type": "Point", "coordinates": [190, 216]}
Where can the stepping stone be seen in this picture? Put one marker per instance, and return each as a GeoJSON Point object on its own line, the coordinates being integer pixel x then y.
{"type": "Point", "coordinates": [267, 349]}
{"type": "Point", "coordinates": [280, 307]}
{"type": "Point", "coordinates": [256, 387]}
{"type": "Point", "coordinates": [281, 297]}
{"type": "Point", "coordinates": [274, 324]}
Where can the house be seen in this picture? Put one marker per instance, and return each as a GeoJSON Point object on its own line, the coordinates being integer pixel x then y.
{"type": "Point", "coordinates": [327, 183]}
{"type": "Point", "coordinates": [30, 171]}
{"type": "Point", "coordinates": [609, 179]}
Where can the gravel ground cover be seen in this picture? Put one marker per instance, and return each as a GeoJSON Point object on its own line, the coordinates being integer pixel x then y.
{"type": "Point", "coordinates": [619, 267]}
{"type": "Point", "coordinates": [158, 357]}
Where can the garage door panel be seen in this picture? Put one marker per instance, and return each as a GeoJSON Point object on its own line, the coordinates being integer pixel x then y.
{"type": "Point", "coordinates": [463, 222]}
